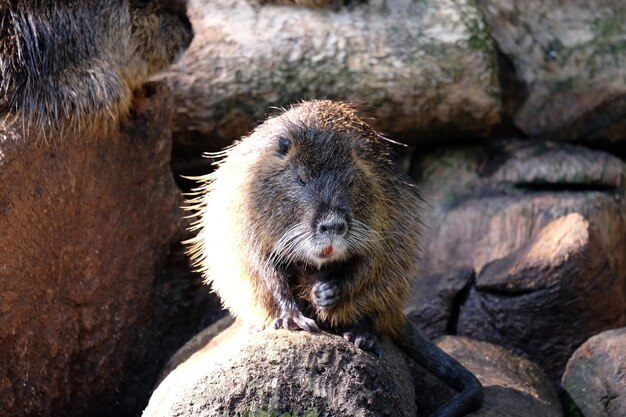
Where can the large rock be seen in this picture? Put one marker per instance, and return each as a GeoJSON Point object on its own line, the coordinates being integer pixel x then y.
{"type": "Point", "coordinates": [514, 386]}
{"type": "Point", "coordinates": [85, 220]}
{"type": "Point", "coordinates": [275, 372]}
{"type": "Point", "coordinates": [421, 66]}
{"type": "Point", "coordinates": [323, 375]}
{"type": "Point", "coordinates": [595, 376]}
{"type": "Point", "coordinates": [488, 201]}
{"type": "Point", "coordinates": [544, 226]}
{"type": "Point", "coordinates": [546, 298]}
{"type": "Point", "coordinates": [180, 306]}
{"type": "Point", "coordinates": [571, 55]}
{"type": "Point", "coordinates": [436, 301]}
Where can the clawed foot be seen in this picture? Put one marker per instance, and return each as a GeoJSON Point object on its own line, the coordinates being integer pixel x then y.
{"type": "Point", "coordinates": [326, 294]}
{"type": "Point", "coordinates": [363, 338]}
{"type": "Point", "coordinates": [295, 321]}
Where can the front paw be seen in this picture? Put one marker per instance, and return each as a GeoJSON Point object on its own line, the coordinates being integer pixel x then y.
{"type": "Point", "coordinates": [326, 294]}
{"type": "Point", "coordinates": [363, 338]}
{"type": "Point", "coordinates": [295, 321]}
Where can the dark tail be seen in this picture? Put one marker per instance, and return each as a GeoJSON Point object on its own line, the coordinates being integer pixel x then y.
{"type": "Point", "coordinates": [443, 366]}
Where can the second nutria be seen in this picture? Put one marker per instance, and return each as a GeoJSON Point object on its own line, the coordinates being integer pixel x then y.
{"type": "Point", "coordinates": [71, 63]}
{"type": "Point", "coordinates": [308, 223]}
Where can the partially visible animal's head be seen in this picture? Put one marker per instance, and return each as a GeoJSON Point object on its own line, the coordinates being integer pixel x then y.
{"type": "Point", "coordinates": [161, 31]}
{"type": "Point", "coordinates": [69, 63]}
{"type": "Point", "coordinates": [319, 189]}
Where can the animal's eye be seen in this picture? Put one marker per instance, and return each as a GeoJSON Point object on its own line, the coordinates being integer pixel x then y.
{"type": "Point", "coordinates": [283, 145]}
{"type": "Point", "coordinates": [300, 180]}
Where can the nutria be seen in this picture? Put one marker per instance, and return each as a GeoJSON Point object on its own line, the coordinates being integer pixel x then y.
{"type": "Point", "coordinates": [309, 223]}
{"type": "Point", "coordinates": [71, 63]}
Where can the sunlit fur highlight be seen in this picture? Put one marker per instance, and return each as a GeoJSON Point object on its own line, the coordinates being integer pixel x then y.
{"type": "Point", "coordinates": [238, 244]}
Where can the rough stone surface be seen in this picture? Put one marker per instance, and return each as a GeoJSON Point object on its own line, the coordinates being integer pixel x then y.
{"type": "Point", "coordinates": [181, 305]}
{"type": "Point", "coordinates": [595, 376]}
{"type": "Point", "coordinates": [322, 375]}
{"type": "Point", "coordinates": [434, 305]}
{"type": "Point", "coordinates": [572, 58]}
{"type": "Point", "coordinates": [549, 296]}
{"type": "Point", "coordinates": [514, 386]}
{"type": "Point", "coordinates": [284, 372]}
{"type": "Point", "coordinates": [487, 201]}
{"type": "Point", "coordinates": [544, 226]}
{"type": "Point", "coordinates": [85, 222]}
{"type": "Point", "coordinates": [205, 339]}
{"type": "Point", "coordinates": [422, 66]}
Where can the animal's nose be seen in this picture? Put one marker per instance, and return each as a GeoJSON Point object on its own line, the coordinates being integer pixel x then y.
{"type": "Point", "coordinates": [333, 225]}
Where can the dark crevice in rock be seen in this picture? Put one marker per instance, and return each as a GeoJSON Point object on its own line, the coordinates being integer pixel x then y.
{"type": "Point", "coordinates": [606, 400]}
{"type": "Point", "coordinates": [556, 187]}
{"type": "Point", "coordinates": [570, 409]}
{"type": "Point", "coordinates": [507, 292]}
{"type": "Point", "coordinates": [514, 93]}
{"type": "Point", "coordinates": [458, 300]}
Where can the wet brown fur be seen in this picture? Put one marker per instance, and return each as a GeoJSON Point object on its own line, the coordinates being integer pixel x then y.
{"type": "Point", "coordinates": [70, 64]}
{"type": "Point", "coordinates": [249, 202]}
{"type": "Point", "coordinates": [293, 170]}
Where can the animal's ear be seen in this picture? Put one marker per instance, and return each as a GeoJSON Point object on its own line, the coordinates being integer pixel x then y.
{"type": "Point", "coordinates": [283, 145]}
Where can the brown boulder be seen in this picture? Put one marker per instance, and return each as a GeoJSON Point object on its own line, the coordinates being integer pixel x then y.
{"type": "Point", "coordinates": [571, 56]}
{"type": "Point", "coordinates": [180, 306]}
{"type": "Point", "coordinates": [436, 300]}
{"type": "Point", "coordinates": [544, 226]}
{"type": "Point", "coordinates": [595, 376]}
{"type": "Point", "coordinates": [546, 298]}
{"type": "Point", "coordinates": [514, 386]}
{"type": "Point", "coordinates": [86, 220]}
{"type": "Point", "coordinates": [421, 66]}
{"type": "Point", "coordinates": [300, 373]}
{"type": "Point", "coordinates": [487, 201]}
{"type": "Point", "coordinates": [284, 372]}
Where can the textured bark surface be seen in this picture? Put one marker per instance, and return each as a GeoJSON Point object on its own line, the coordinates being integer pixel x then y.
{"type": "Point", "coordinates": [544, 226]}
{"type": "Point", "coordinates": [572, 58]}
{"type": "Point", "coordinates": [418, 66]}
{"type": "Point", "coordinates": [85, 222]}
{"type": "Point", "coordinates": [595, 376]}
{"type": "Point", "coordinates": [276, 372]}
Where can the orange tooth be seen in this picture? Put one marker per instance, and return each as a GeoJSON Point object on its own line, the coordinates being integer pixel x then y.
{"type": "Point", "coordinates": [327, 251]}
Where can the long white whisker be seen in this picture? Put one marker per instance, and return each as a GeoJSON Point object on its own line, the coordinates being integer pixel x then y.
{"type": "Point", "coordinates": [284, 249]}
{"type": "Point", "coordinates": [363, 238]}
{"type": "Point", "coordinates": [299, 247]}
